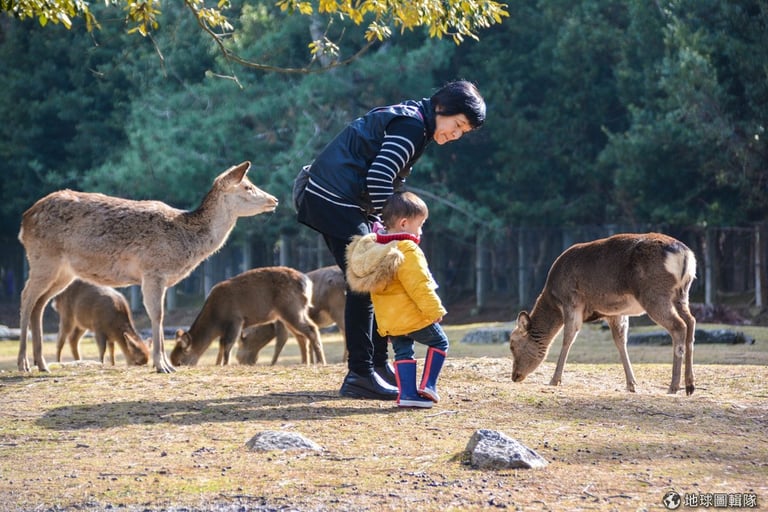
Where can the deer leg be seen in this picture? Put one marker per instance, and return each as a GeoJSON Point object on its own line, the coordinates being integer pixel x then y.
{"type": "Point", "coordinates": [570, 331]}
{"type": "Point", "coordinates": [690, 325]}
{"type": "Point", "coordinates": [74, 342]}
{"type": "Point", "coordinates": [101, 343]}
{"type": "Point", "coordinates": [316, 344]}
{"type": "Point", "coordinates": [64, 334]}
{"type": "Point", "coordinates": [226, 343]}
{"type": "Point", "coordinates": [30, 319]}
{"type": "Point", "coordinates": [307, 356]}
{"type": "Point", "coordinates": [281, 337]}
{"type": "Point", "coordinates": [257, 340]}
{"type": "Point", "coordinates": [307, 329]}
{"type": "Point", "coordinates": [619, 328]}
{"type": "Point", "coordinates": [153, 292]}
{"type": "Point", "coordinates": [111, 348]}
{"type": "Point", "coordinates": [35, 296]}
{"type": "Point", "coordinates": [677, 328]}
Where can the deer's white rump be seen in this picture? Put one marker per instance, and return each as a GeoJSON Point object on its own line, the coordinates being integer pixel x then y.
{"type": "Point", "coordinates": [612, 278]}
{"type": "Point", "coordinates": [119, 242]}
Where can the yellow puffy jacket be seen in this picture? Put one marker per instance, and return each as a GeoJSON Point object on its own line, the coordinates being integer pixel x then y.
{"type": "Point", "coordinates": [397, 276]}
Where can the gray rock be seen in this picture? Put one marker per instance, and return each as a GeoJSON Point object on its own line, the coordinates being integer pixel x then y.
{"type": "Point", "coordinates": [489, 449]}
{"type": "Point", "coordinates": [488, 335]}
{"type": "Point", "coordinates": [270, 440]}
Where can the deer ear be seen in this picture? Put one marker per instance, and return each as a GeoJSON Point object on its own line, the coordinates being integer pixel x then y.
{"type": "Point", "coordinates": [186, 340]}
{"type": "Point", "coordinates": [523, 321]}
{"type": "Point", "coordinates": [238, 172]}
{"type": "Point", "coordinates": [233, 176]}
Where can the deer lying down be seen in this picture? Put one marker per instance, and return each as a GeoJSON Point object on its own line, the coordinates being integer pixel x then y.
{"type": "Point", "coordinates": [254, 297]}
{"type": "Point", "coordinates": [119, 242]}
{"type": "Point", "coordinates": [612, 278]}
{"type": "Point", "coordinates": [105, 312]}
{"type": "Point", "coordinates": [329, 296]}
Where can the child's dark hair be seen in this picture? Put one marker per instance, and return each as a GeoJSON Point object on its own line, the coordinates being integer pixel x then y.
{"type": "Point", "coordinates": [402, 205]}
{"type": "Point", "coordinates": [460, 97]}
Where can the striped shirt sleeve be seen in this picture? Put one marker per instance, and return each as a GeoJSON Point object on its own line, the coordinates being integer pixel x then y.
{"type": "Point", "coordinates": [399, 146]}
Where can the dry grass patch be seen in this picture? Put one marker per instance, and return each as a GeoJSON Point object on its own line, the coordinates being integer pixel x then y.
{"type": "Point", "coordinates": [91, 437]}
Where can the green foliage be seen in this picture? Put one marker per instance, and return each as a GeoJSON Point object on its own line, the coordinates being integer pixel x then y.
{"type": "Point", "coordinates": [694, 149]}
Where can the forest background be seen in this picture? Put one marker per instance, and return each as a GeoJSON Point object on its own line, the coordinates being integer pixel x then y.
{"type": "Point", "coordinates": [600, 113]}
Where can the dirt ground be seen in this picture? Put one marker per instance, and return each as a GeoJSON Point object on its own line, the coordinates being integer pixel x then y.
{"type": "Point", "coordinates": [88, 437]}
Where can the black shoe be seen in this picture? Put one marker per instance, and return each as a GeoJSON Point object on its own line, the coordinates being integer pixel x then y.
{"type": "Point", "coordinates": [386, 372]}
{"type": "Point", "coordinates": [367, 386]}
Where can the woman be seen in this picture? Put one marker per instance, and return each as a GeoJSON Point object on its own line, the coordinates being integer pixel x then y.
{"type": "Point", "coordinates": [348, 184]}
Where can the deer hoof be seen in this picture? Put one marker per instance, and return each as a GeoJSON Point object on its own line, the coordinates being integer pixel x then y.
{"type": "Point", "coordinates": [689, 389]}
{"type": "Point", "coordinates": [23, 365]}
{"type": "Point", "coordinates": [165, 368]}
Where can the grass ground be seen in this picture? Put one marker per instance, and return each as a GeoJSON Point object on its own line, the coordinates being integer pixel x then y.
{"type": "Point", "coordinates": [89, 437]}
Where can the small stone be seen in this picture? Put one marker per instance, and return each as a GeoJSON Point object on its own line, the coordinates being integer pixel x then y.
{"type": "Point", "coordinates": [270, 440]}
{"type": "Point", "coordinates": [490, 449]}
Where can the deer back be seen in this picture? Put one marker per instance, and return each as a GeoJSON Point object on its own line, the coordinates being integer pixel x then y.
{"type": "Point", "coordinates": [619, 274]}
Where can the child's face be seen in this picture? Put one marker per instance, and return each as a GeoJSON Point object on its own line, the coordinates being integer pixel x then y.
{"type": "Point", "coordinates": [412, 225]}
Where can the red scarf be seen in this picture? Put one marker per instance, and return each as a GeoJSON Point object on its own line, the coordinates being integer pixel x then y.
{"type": "Point", "coordinates": [384, 238]}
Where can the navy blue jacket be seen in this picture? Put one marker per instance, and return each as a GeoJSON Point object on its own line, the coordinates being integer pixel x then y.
{"type": "Point", "coordinates": [341, 168]}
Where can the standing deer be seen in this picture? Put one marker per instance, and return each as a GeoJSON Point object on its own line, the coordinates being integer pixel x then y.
{"type": "Point", "coordinates": [329, 295]}
{"type": "Point", "coordinates": [105, 312]}
{"type": "Point", "coordinates": [119, 242]}
{"type": "Point", "coordinates": [612, 278]}
{"type": "Point", "coordinates": [254, 297]}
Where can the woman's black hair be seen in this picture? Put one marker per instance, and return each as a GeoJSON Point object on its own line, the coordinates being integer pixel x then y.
{"type": "Point", "coordinates": [460, 97]}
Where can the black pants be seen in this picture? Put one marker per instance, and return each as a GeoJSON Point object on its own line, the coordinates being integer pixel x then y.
{"type": "Point", "coordinates": [365, 346]}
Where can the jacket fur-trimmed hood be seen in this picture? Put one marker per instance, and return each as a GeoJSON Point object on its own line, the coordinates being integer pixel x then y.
{"type": "Point", "coordinates": [371, 266]}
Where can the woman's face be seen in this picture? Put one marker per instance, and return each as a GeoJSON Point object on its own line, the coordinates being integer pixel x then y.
{"type": "Point", "coordinates": [450, 128]}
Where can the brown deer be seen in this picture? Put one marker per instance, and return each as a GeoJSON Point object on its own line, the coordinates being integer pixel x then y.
{"type": "Point", "coordinates": [612, 278]}
{"type": "Point", "coordinates": [329, 296]}
{"type": "Point", "coordinates": [119, 242]}
{"type": "Point", "coordinates": [105, 312]}
{"type": "Point", "coordinates": [254, 297]}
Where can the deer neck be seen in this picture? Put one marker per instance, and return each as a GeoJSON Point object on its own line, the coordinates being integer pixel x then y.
{"type": "Point", "coordinates": [210, 223]}
{"type": "Point", "coordinates": [203, 331]}
{"type": "Point", "coordinates": [546, 321]}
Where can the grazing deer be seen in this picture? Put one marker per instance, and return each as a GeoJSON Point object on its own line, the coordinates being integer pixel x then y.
{"type": "Point", "coordinates": [105, 312]}
{"type": "Point", "coordinates": [254, 297]}
{"type": "Point", "coordinates": [329, 296]}
{"type": "Point", "coordinates": [119, 242]}
{"type": "Point", "coordinates": [612, 278]}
